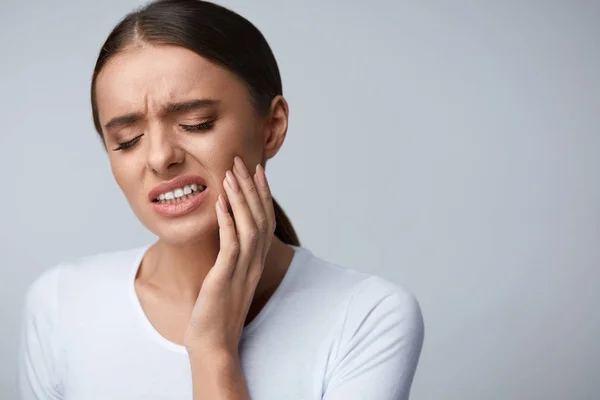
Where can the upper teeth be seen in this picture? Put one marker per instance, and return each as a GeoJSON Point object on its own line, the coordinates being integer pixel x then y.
{"type": "Point", "coordinates": [180, 192]}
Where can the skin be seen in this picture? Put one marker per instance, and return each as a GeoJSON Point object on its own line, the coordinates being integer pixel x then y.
{"type": "Point", "coordinates": [211, 270]}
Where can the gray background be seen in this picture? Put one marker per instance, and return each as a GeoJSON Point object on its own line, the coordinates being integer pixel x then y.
{"type": "Point", "coordinates": [453, 147]}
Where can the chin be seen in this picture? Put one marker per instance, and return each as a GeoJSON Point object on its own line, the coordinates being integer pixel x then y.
{"type": "Point", "coordinates": [186, 230]}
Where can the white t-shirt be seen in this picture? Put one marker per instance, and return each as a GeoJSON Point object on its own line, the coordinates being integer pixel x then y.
{"type": "Point", "coordinates": [328, 332]}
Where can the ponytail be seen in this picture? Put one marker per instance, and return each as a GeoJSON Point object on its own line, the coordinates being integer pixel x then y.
{"type": "Point", "coordinates": [284, 230]}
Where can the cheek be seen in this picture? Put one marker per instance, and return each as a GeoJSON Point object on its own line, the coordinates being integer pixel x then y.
{"type": "Point", "coordinates": [118, 174]}
{"type": "Point", "coordinates": [125, 175]}
{"type": "Point", "coordinates": [218, 150]}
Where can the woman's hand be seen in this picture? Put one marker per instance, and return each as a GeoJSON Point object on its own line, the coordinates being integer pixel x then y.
{"type": "Point", "coordinates": [222, 306]}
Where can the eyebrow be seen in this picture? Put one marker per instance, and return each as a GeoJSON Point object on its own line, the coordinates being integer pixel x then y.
{"type": "Point", "coordinates": [122, 120]}
{"type": "Point", "coordinates": [171, 108]}
{"type": "Point", "coordinates": [186, 106]}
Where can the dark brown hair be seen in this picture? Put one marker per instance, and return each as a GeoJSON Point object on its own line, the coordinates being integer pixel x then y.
{"type": "Point", "coordinates": [215, 33]}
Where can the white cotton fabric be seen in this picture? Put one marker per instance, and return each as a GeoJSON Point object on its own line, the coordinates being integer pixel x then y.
{"type": "Point", "coordinates": [328, 332]}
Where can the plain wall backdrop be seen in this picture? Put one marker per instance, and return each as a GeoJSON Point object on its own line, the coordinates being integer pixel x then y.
{"type": "Point", "coordinates": [452, 147]}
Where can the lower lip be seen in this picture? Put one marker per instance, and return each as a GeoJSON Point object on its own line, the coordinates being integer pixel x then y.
{"type": "Point", "coordinates": [183, 207]}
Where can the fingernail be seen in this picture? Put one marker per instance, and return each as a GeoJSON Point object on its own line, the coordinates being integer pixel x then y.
{"type": "Point", "coordinates": [232, 181]}
{"type": "Point", "coordinates": [240, 167]}
{"type": "Point", "coordinates": [261, 176]}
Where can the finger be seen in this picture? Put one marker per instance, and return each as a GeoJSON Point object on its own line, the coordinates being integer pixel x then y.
{"type": "Point", "coordinates": [229, 246]}
{"type": "Point", "coordinates": [247, 231]}
{"type": "Point", "coordinates": [264, 193]}
{"type": "Point", "coordinates": [254, 202]}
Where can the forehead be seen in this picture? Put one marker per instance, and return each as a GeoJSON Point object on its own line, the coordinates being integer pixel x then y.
{"type": "Point", "coordinates": [149, 76]}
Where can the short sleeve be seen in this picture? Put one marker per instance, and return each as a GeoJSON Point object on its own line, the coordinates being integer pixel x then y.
{"type": "Point", "coordinates": [38, 360]}
{"type": "Point", "coordinates": [381, 345]}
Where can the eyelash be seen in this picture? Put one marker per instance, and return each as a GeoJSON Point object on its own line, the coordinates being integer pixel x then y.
{"type": "Point", "coordinates": [129, 143]}
{"type": "Point", "coordinates": [203, 126]}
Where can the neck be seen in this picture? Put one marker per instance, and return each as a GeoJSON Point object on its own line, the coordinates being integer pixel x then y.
{"type": "Point", "coordinates": [181, 269]}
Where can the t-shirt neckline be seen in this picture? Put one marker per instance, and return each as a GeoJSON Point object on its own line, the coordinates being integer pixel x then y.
{"type": "Point", "coordinates": [299, 254]}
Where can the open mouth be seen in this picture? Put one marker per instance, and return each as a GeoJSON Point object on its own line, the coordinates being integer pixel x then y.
{"type": "Point", "coordinates": [179, 195]}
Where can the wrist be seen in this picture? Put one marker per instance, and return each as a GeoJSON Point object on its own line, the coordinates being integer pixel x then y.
{"type": "Point", "coordinates": [212, 357]}
{"type": "Point", "coordinates": [217, 374]}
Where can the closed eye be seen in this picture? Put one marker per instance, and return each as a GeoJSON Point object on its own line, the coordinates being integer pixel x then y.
{"type": "Point", "coordinates": [203, 126]}
{"type": "Point", "coordinates": [129, 143]}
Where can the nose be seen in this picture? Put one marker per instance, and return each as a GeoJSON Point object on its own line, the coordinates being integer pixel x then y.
{"type": "Point", "coordinates": [163, 154]}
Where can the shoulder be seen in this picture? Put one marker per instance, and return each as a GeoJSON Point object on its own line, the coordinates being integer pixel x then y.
{"type": "Point", "coordinates": [376, 330]}
{"type": "Point", "coordinates": [104, 266]}
{"type": "Point", "coordinates": [40, 297]}
{"type": "Point", "coordinates": [62, 280]}
{"type": "Point", "coordinates": [377, 292]}
{"type": "Point", "coordinates": [315, 274]}
{"type": "Point", "coordinates": [105, 263]}
{"type": "Point", "coordinates": [375, 334]}
{"type": "Point", "coordinates": [365, 299]}
{"type": "Point", "coordinates": [380, 305]}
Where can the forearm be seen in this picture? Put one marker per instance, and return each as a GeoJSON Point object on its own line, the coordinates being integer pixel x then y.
{"type": "Point", "coordinates": [218, 376]}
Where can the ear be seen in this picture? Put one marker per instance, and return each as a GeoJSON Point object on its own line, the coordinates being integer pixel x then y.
{"type": "Point", "coordinates": [276, 127]}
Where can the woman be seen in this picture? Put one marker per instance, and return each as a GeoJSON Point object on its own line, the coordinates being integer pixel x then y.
{"type": "Point", "coordinates": [187, 98]}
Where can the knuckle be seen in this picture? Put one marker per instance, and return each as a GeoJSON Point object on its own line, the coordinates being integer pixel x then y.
{"type": "Point", "coordinates": [254, 276]}
{"type": "Point", "coordinates": [266, 194]}
{"type": "Point", "coordinates": [251, 189]}
{"type": "Point", "coordinates": [229, 222]}
{"type": "Point", "coordinates": [263, 225]}
{"type": "Point", "coordinates": [253, 236]}
{"type": "Point", "coordinates": [233, 248]}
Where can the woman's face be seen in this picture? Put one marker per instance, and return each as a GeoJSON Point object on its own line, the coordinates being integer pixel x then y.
{"type": "Point", "coordinates": [180, 116]}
